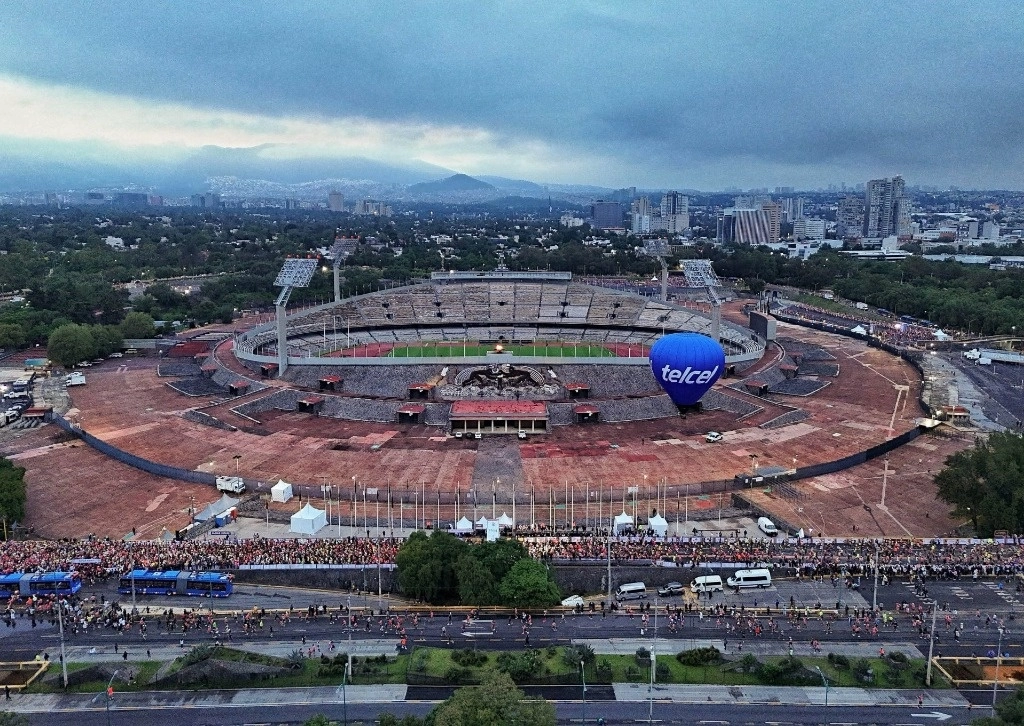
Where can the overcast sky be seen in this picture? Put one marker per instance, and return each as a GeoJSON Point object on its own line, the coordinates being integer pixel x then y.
{"type": "Point", "coordinates": [699, 95]}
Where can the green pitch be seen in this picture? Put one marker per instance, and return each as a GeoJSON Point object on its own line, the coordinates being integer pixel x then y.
{"type": "Point", "coordinates": [458, 350]}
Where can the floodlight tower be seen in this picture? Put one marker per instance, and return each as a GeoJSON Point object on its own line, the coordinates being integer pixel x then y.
{"type": "Point", "coordinates": [295, 273]}
{"type": "Point", "coordinates": [660, 249]}
{"type": "Point", "coordinates": [336, 254]}
{"type": "Point", "coordinates": [699, 273]}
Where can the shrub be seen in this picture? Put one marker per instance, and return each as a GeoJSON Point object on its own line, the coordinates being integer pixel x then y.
{"type": "Point", "coordinates": [862, 669]}
{"type": "Point", "coordinates": [197, 655]}
{"type": "Point", "coordinates": [898, 657]}
{"type": "Point", "coordinates": [469, 658]}
{"type": "Point", "coordinates": [521, 667]}
{"type": "Point", "coordinates": [457, 674]}
{"type": "Point", "coordinates": [839, 662]}
{"type": "Point", "coordinates": [662, 672]}
{"type": "Point", "coordinates": [748, 663]}
{"type": "Point", "coordinates": [632, 672]}
{"type": "Point", "coordinates": [700, 656]}
{"type": "Point", "coordinates": [573, 654]}
{"type": "Point", "coordinates": [643, 656]}
{"type": "Point", "coordinates": [603, 670]}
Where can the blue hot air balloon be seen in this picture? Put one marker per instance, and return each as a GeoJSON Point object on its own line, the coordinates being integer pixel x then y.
{"type": "Point", "coordinates": [687, 365]}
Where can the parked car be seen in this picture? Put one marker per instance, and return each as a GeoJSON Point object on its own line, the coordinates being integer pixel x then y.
{"type": "Point", "coordinates": [672, 588]}
{"type": "Point", "coordinates": [713, 437]}
{"type": "Point", "coordinates": [116, 355]}
{"type": "Point", "coordinates": [573, 601]}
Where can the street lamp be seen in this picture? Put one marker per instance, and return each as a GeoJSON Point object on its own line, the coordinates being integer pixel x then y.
{"type": "Point", "coordinates": [583, 675]}
{"type": "Point", "coordinates": [999, 660]}
{"type": "Point", "coordinates": [824, 680]}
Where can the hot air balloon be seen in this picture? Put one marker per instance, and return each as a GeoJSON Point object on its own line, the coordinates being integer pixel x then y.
{"type": "Point", "coordinates": [687, 365]}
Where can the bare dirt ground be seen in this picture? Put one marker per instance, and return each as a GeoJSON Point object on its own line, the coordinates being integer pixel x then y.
{"type": "Point", "coordinates": [132, 408]}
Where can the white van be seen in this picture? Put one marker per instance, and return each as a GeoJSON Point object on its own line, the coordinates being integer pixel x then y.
{"type": "Point", "coordinates": [76, 378]}
{"type": "Point", "coordinates": [706, 583]}
{"type": "Point", "coordinates": [767, 526]}
{"type": "Point", "coordinates": [750, 578]}
{"type": "Point", "coordinates": [631, 591]}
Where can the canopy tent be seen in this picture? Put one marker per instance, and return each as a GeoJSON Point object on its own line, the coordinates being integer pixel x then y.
{"type": "Point", "coordinates": [308, 520]}
{"type": "Point", "coordinates": [505, 521]}
{"type": "Point", "coordinates": [281, 492]}
{"type": "Point", "coordinates": [859, 330]}
{"type": "Point", "coordinates": [481, 523]}
{"type": "Point", "coordinates": [464, 525]}
{"type": "Point", "coordinates": [222, 504]}
{"type": "Point", "coordinates": [658, 525]}
{"type": "Point", "coordinates": [941, 335]}
{"type": "Point", "coordinates": [622, 522]}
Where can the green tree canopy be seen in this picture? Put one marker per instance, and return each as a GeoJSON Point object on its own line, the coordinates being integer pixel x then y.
{"type": "Point", "coordinates": [70, 344]}
{"type": "Point", "coordinates": [528, 584]}
{"type": "Point", "coordinates": [1009, 712]}
{"type": "Point", "coordinates": [12, 492]}
{"type": "Point", "coordinates": [985, 484]}
{"type": "Point", "coordinates": [137, 325]}
{"type": "Point", "coordinates": [495, 702]}
{"type": "Point", "coordinates": [11, 335]}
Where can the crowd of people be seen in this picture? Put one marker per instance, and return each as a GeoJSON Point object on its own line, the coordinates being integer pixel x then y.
{"type": "Point", "coordinates": [941, 559]}
{"type": "Point", "coordinates": [95, 558]}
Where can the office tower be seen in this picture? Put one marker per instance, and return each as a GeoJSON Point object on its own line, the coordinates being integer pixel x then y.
{"type": "Point", "coordinates": [675, 212]}
{"type": "Point", "coordinates": [798, 208]}
{"type": "Point", "coordinates": [210, 200]}
{"type": "Point", "coordinates": [990, 231]}
{"type": "Point", "coordinates": [808, 229]}
{"type": "Point", "coordinates": [606, 215]}
{"type": "Point", "coordinates": [336, 202]}
{"type": "Point", "coordinates": [774, 212]}
{"type": "Point", "coordinates": [640, 212]}
{"type": "Point", "coordinates": [886, 208]}
{"type": "Point", "coordinates": [746, 226]}
{"type": "Point", "coordinates": [850, 217]}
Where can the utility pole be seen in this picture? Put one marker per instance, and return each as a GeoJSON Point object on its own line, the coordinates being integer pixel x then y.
{"type": "Point", "coordinates": [999, 660]}
{"type": "Point", "coordinates": [931, 647]}
{"type": "Point", "coordinates": [874, 593]}
{"type": "Point", "coordinates": [63, 658]}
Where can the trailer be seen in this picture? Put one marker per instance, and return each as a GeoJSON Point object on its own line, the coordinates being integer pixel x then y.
{"type": "Point", "coordinates": [994, 355]}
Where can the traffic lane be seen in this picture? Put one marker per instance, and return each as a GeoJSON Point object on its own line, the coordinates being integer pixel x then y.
{"type": "Point", "coordinates": [711, 714]}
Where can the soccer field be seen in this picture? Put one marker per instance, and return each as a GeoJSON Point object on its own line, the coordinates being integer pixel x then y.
{"type": "Point", "coordinates": [458, 350]}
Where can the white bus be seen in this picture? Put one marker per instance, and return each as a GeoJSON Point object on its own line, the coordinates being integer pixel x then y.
{"type": "Point", "coordinates": [631, 591]}
{"type": "Point", "coordinates": [760, 577]}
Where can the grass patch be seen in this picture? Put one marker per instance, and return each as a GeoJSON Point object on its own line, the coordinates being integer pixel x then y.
{"type": "Point", "coordinates": [145, 671]}
{"type": "Point", "coordinates": [457, 350]}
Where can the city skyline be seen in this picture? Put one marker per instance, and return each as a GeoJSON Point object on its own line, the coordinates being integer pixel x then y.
{"type": "Point", "coordinates": [610, 94]}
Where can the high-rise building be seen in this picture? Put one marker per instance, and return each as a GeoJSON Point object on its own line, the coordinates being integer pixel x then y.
{"type": "Point", "coordinates": [336, 202]}
{"type": "Point", "coordinates": [210, 200]}
{"type": "Point", "coordinates": [640, 213]}
{"type": "Point", "coordinates": [746, 226]}
{"type": "Point", "coordinates": [675, 212]}
{"type": "Point", "coordinates": [606, 215]}
{"type": "Point", "coordinates": [886, 208]}
{"type": "Point", "coordinates": [808, 229]}
{"type": "Point", "coordinates": [774, 212]}
{"type": "Point", "coordinates": [850, 217]}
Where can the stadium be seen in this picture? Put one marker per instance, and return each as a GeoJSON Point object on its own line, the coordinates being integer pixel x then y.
{"type": "Point", "coordinates": [498, 352]}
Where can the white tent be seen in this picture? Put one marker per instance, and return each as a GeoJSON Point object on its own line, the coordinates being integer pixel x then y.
{"type": "Point", "coordinates": [281, 492]}
{"type": "Point", "coordinates": [308, 520]}
{"type": "Point", "coordinates": [658, 525]}
{"type": "Point", "coordinates": [464, 525]}
{"type": "Point", "coordinates": [859, 330]}
{"type": "Point", "coordinates": [481, 523]}
{"type": "Point", "coordinates": [505, 521]}
{"type": "Point", "coordinates": [622, 522]}
{"type": "Point", "coordinates": [941, 335]}
{"type": "Point", "coordinates": [221, 505]}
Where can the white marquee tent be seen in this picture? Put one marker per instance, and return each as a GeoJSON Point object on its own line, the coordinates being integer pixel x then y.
{"type": "Point", "coordinates": [281, 492]}
{"type": "Point", "coordinates": [481, 523]}
{"type": "Point", "coordinates": [464, 526]}
{"type": "Point", "coordinates": [505, 521]}
{"type": "Point", "coordinates": [308, 520]}
{"type": "Point", "coordinates": [658, 525]}
{"type": "Point", "coordinates": [622, 522]}
{"type": "Point", "coordinates": [221, 505]}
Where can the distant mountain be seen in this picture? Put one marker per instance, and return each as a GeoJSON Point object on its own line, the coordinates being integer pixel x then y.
{"type": "Point", "coordinates": [517, 187]}
{"type": "Point", "coordinates": [451, 185]}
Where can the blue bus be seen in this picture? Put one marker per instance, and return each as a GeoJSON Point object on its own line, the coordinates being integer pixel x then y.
{"type": "Point", "coordinates": [176, 582]}
{"type": "Point", "coordinates": [39, 583]}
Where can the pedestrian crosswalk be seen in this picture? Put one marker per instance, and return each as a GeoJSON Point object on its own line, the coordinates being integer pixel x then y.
{"type": "Point", "coordinates": [1007, 596]}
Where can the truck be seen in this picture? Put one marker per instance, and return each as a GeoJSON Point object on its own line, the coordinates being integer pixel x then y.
{"type": "Point", "coordinates": [231, 484]}
{"type": "Point", "coordinates": [861, 306]}
{"type": "Point", "coordinates": [75, 379]}
{"type": "Point", "coordinates": [990, 354]}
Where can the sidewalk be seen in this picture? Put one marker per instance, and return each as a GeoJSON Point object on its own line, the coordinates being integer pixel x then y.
{"type": "Point", "coordinates": [789, 696]}
{"type": "Point", "coordinates": [628, 646]}
{"type": "Point", "coordinates": [280, 648]}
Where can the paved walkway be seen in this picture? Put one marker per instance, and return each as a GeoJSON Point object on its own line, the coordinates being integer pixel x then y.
{"type": "Point", "coordinates": [789, 696]}
{"type": "Point", "coordinates": [280, 648]}
{"type": "Point", "coordinates": [628, 646]}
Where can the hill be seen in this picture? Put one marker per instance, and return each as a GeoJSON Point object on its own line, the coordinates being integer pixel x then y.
{"type": "Point", "coordinates": [454, 183]}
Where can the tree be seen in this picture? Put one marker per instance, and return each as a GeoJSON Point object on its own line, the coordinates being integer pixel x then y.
{"type": "Point", "coordinates": [137, 325]}
{"type": "Point", "coordinates": [70, 344]}
{"type": "Point", "coordinates": [317, 720]}
{"type": "Point", "coordinates": [495, 702]}
{"type": "Point", "coordinates": [984, 484]}
{"type": "Point", "coordinates": [11, 335]}
{"type": "Point", "coordinates": [528, 584]}
{"type": "Point", "coordinates": [12, 491]}
{"type": "Point", "coordinates": [10, 718]}
{"type": "Point", "coordinates": [1009, 712]}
